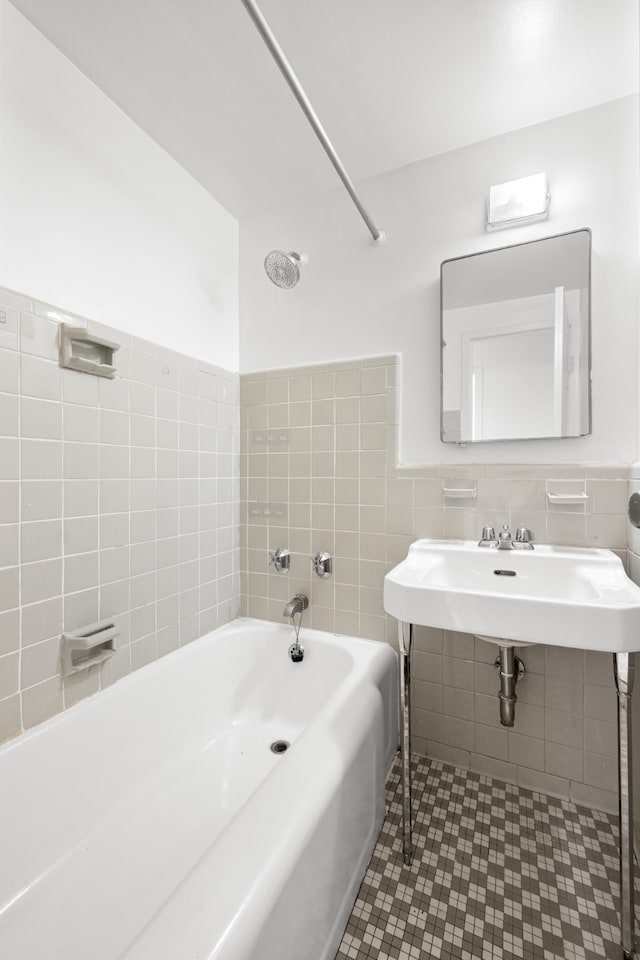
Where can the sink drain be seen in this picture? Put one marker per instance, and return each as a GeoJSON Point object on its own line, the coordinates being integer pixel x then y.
{"type": "Point", "coordinates": [279, 746]}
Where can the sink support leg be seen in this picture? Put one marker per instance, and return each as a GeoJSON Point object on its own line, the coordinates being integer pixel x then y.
{"type": "Point", "coordinates": [623, 669]}
{"type": "Point", "coordinates": [405, 637]}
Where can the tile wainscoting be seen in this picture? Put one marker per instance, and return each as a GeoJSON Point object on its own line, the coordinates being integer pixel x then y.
{"type": "Point", "coordinates": [118, 499]}
{"type": "Point", "coordinates": [319, 472]}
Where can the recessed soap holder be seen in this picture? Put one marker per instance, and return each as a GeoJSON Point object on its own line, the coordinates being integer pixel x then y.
{"type": "Point", "coordinates": [87, 646]}
{"type": "Point", "coordinates": [81, 350]}
{"type": "Point", "coordinates": [567, 498]}
{"type": "Point", "coordinates": [459, 493]}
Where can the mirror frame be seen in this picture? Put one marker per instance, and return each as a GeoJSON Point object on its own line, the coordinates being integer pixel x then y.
{"type": "Point", "coordinates": [511, 246]}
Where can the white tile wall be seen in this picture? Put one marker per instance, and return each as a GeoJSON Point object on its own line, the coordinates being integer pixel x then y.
{"type": "Point", "coordinates": [335, 475]}
{"type": "Point", "coordinates": [118, 498]}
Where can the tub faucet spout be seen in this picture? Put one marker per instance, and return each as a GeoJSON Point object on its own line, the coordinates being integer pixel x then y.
{"type": "Point", "coordinates": [295, 606]}
{"type": "Point", "coordinates": [293, 609]}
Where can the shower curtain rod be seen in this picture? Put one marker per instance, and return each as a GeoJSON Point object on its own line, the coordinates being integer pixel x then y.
{"type": "Point", "coordinates": [286, 69]}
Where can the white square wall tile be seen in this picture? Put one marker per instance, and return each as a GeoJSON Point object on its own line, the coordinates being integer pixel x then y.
{"type": "Point", "coordinates": [9, 674]}
{"type": "Point", "coordinates": [114, 462]}
{"type": "Point", "coordinates": [114, 530]}
{"type": "Point", "coordinates": [40, 581]}
{"type": "Point", "coordinates": [41, 620]}
{"type": "Point", "coordinates": [9, 366]}
{"type": "Point", "coordinates": [79, 423]}
{"type": "Point", "coordinates": [142, 558]}
{"type": "Point", "coordinates": [80, 534]}
{"type": "Point", "coordinates": [114, 496]}
{"type": "Point", "coordinates": [41, 540]}
{"type": "Point", "coordinates": [9, 588]}
{"type": "Point", "coordinates": [9, 326]}
{"type": "Point", "coordinates": [142, 431]}
{"type": "Point", "coordinates": [143, 462]}
{"type": "Point", "coordinates": [9, 631]}
{"type": "Point", "coordinates": [38, 336]}
{"type": "Point", "coordinates": [114, 426]}
{"type": "Point", "coordinates": [81, 461]}
{"type": "Point", "coordinates": [81, 498]}
{"type": "Point", "coordinates": [39, 662]}
{"type": "Point", "coordinates": [80, 572]}
{"type": "Point", "coordinates": [78, 388]}
{"type": "Point", "coordinates": [81, 608]}
{"type": "Point", "coordinates": [114, 564]}
{"type": "Point", "coordinates": [9, 415]}
{"type": "Point", "coordinates": [113, 394]}
{"type": "Point", "coordinates": [9, 458]}
{"type": "Point", "coordinates": [40, 378]}
{"type": "Point", "coordinates": [9, 540]}
{"type": "Point", "coordinates": [40, 419]}
{"type": "Point", "coordinates": [41, 500]}
{"type": "Point", "coordinates": [41, 459]}
{"type": "Point", "coordinates": [42, 701]}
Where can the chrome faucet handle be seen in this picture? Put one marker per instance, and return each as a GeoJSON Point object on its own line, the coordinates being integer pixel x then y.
{"type": "Point", "coordinates": [281, 559]}
{"type": "Point", "coordinates": [524, 538]}
{"type": "Point", "coordinates": [488, 538]}
{"type": "Point", "coordinates": [524, 535]}
{"type": "Point", "coordinates": [322, 564]}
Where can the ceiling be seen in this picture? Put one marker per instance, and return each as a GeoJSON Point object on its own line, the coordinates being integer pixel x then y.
{"type": "Point", "coordinates": [393, 81]}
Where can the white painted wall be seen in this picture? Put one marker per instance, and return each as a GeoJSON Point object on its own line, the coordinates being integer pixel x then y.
{"type": "Point", "coordinates": [96, 218]}
{"type": "Point", "coordinates": [354, 299]}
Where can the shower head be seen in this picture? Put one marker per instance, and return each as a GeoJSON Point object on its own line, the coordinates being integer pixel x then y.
{"type": "Point", "coordinates": [283, 269]}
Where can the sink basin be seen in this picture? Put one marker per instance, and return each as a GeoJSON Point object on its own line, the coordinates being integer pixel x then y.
{"type": "Point", "coordinates": [563, 596]}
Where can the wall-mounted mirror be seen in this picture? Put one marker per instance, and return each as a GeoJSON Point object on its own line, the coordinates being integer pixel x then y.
{"type": "Point", "coordinates": [515, 326]}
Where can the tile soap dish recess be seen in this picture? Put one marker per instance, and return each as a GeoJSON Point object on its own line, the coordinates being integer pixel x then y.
{"type": "Point", "coordinates": [85, 647]}
{"type": "Point", "coordinates": [567, 497]}
{"type": "Point", "coordinates": [81, 350]}
{"type": "Point", "coordinates": [459, 493]}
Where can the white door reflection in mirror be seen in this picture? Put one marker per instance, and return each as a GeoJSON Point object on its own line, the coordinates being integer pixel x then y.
{"type": "Point", "coordinates": [515, 342]}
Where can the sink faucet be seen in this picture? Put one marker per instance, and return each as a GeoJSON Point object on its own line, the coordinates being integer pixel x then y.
{"type": "Point", "coordinates": [504, 538]}
{"type": "Point", "coordinates": [504, 541]}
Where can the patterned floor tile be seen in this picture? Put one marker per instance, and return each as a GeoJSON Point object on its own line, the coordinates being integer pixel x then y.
{"type": "Point", "coordinates": [498, 873]}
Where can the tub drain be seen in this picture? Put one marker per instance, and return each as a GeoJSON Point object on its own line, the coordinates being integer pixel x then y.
{"type": "Point", "coordinates": [279, 746]}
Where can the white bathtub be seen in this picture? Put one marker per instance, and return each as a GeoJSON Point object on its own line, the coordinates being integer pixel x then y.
{"type": "Point", "coordinates": [152, 822]}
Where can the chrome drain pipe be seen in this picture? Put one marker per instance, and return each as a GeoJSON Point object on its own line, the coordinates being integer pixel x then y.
{"type": "Point", "coordinates": [623, 668]}
{"type": "Point", "coordinates": [405, 638]}
{"type": "Point", "coordinates": [510, 668]}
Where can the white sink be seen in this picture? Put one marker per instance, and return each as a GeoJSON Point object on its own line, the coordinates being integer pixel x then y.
{"type": "Point", "coordinates": [563, 596]}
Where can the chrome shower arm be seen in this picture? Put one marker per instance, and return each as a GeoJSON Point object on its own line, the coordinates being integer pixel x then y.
{"type": "Point", "coordinates": [287, 71]}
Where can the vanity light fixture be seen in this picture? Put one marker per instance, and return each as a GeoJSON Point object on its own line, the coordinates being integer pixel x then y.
{"type": "Point", "coordinates": [518, 201]}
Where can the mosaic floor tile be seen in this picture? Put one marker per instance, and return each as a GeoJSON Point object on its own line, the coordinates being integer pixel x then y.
{"type": "Point", "coordinates": [498, 873]}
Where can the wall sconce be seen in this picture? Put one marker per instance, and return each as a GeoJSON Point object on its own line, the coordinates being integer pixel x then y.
{"type": "Point", "coordinates": [518, 201]}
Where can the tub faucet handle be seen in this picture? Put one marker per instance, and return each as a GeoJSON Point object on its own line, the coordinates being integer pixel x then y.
{"type": "Point", "coordinates": [281, 559]}
{"type": "Point", "coordinates": [322, 564]}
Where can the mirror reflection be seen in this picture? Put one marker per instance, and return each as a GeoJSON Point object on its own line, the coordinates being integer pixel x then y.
{"type": "Point", "coordinates": [516, 342]}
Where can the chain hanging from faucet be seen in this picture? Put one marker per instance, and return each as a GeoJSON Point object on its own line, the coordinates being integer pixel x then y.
{"type": "Point", "coordinates": [293, 623]}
